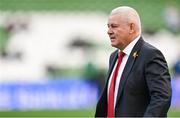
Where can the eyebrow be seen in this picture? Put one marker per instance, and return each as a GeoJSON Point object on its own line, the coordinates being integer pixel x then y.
{"type": "Point", "coordinates": [112, 24]}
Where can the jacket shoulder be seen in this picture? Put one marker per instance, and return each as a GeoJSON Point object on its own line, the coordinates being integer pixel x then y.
{"type": "Point", "coordinates": [151, 51]}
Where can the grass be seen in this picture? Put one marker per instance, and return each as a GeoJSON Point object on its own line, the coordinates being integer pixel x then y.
{"type": "Point", "coordinates": [49, 113]}
{"type": "Point", "coordinates": [174, 113]}
{"type": "Point", "coordinates": [64, 113]}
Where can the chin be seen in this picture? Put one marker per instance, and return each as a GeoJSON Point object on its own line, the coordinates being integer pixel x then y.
{"type": "Point", "coordinates": [113, 45]}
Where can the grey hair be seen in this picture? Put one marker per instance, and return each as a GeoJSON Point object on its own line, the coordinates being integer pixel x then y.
{"type": "Point", "coordinates": [131, 15]}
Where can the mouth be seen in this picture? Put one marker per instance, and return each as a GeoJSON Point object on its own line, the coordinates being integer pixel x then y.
{"type": "Point", "coordinates": [112, 38]}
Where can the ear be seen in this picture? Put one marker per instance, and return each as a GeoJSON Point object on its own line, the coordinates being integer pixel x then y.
{"type": "Point", "coordinates": [132, 28]}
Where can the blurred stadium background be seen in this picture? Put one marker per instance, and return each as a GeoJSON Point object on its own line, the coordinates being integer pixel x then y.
{"type": "Point", "coordinates": [54, 53]}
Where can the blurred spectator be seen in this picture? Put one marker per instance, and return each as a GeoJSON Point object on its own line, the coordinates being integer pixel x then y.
{"type": "Point", "coordinates": [93, 73]}
{"type": "Point", "coordinates": [11, 26]}
{"type": "Point", "coordinates": [3, 41]}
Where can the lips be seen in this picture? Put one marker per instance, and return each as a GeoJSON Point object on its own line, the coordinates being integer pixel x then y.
{"type": "Point", "coordinates": [112, 38]}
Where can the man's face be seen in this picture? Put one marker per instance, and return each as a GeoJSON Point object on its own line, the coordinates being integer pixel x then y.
{"type": "Point", "coordinates": [118, 31]}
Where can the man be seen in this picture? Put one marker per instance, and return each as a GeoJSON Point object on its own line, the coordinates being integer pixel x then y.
{"type": "Point", "coordinates": [138, 81]}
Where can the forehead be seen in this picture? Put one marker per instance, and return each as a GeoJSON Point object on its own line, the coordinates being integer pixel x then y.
{"type": "Point", "coordinates": [116, 19]}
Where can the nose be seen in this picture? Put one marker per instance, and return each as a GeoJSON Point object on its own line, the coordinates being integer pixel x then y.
{"type": "Point", "coordinates": [109, 32]}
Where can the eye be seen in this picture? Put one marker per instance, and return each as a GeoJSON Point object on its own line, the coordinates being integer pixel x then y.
{"type": "Point", "coordinates": [114, 25]}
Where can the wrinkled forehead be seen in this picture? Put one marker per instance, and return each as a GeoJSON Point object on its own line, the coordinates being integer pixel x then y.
{"type": "Point", "coordinates": [117, 18]}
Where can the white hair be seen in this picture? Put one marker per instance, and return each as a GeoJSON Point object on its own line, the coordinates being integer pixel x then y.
{"type": "Point", "coordinates": [131, 15]}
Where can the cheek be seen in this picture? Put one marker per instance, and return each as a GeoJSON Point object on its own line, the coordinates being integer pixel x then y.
{"type": "Point", "coordinates": [119, 32]}
{"type": "Point", "coordinates": [122, 34]}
